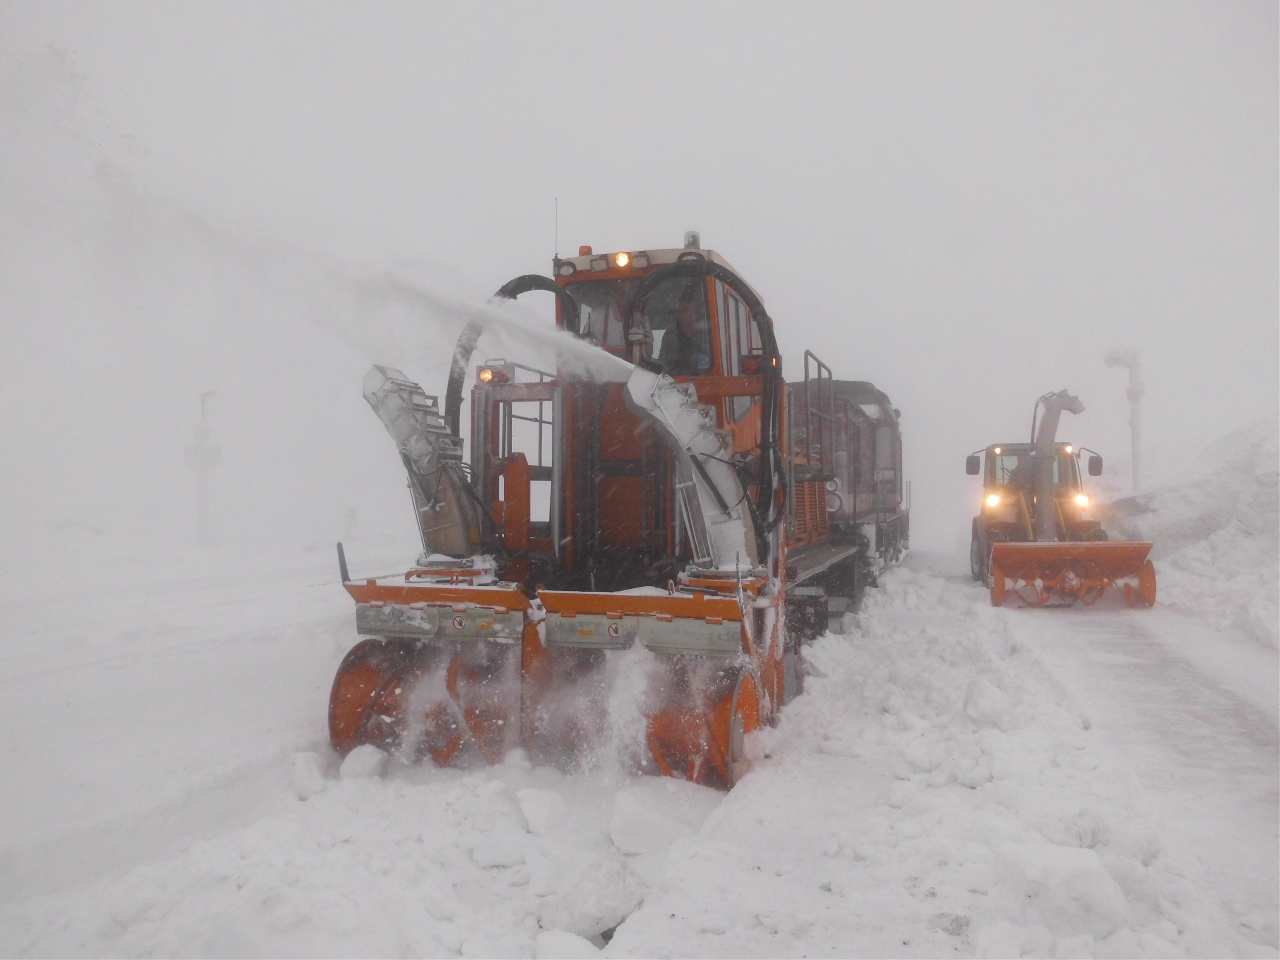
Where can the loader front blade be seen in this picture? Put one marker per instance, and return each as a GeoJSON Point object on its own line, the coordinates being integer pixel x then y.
{"type": "Point", "coordinates": [1062, 573]}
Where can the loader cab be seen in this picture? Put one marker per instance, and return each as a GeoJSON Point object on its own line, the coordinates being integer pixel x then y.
{"type": "Point", "coordinates": [1008, 508]}
{"type": "Point", "coordinates": [1010, 465]}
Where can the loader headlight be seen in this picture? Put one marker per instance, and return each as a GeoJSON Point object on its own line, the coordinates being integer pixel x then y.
{"type": "Point", "coordinates": [1069, 448]}
{"type": "Point", "coordinates": [1082, 499]}
{"type": "Point", "coordinates": [622, 259]}
{"type": "Point", "coordinates": [993, 500]}
{"type": "Point", "coordinates": [485, 375]}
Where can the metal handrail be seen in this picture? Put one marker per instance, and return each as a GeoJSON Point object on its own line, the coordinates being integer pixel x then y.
{"type": "Point", "coordinates": [812, 414]}
{"type": "Point", "coordinates": [504, 442]}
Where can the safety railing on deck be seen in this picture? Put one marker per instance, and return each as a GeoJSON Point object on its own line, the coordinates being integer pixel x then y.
{"type": "Point", "coordinates": [509, 415]}
{"type": "Point", "coordinates": [819, 414]}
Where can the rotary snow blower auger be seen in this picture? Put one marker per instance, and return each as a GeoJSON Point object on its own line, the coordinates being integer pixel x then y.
{"type": "Point", "coordinates": [1034, 539]}
{"type": "Point", "coordinates": [616, 565]}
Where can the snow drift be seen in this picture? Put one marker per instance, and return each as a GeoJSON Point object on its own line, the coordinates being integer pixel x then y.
{"type": "Point", "coordinates": [1216, 550]}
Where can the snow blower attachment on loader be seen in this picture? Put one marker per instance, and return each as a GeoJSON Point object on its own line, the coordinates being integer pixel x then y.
{"type": "Point", "coordinates": [1034, 538]}
{"type": "Point", "coordinates": [631, 560]}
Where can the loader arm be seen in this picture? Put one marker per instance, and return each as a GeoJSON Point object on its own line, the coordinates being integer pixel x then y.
{"type": "Point", "coordinates": [1046, 453]}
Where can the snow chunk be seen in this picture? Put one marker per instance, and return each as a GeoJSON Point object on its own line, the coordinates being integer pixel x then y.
{"type": "Point", "coordinates": [984, 702]}
{"type": "Point", "coordinates": [365, 760]}
{"type": "Point", "coordinates": [594, 893]}
{"type": "Point", "coordinates": [638, 827]}
{"type": "Point", "coordinates": [552, 944]}
{"type": "Point", "coordinates": [543, 809]}
{"type": "Point", "coordinates": [502, 848]}
{"type": "Point", "coordinates": [651, 816]}
{"type": "Point", "coordinates": [307, 778]}
{"type": "Point", "coordinates": [1070, 888]}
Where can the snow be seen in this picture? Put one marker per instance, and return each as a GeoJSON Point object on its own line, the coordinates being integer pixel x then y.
{"type": "Point", "coordinates": [363, 762]}
{"type": "Point", "coordinates": [1217, 536]}
{"type": "Point", "coordinates": [308, 775]}
{"type": "Point", "coordinates": [956, 780]}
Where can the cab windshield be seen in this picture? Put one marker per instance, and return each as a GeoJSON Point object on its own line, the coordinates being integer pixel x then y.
{"type": "Point", "coordinates": [675, 321]}
{"type": "Point", "coordinates": [1012, 466]}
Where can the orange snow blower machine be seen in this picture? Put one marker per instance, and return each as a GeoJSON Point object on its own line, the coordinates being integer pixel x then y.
{"type": "Point", "coordinates": [1034, 538]}
{"type": "Point", "coordinates": [641, 539]}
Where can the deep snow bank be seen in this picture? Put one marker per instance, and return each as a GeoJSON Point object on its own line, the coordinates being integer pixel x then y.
{"type": "Point", "coordinates": [1217, 547]}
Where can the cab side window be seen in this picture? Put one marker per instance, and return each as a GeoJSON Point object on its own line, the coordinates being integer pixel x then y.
{"type": "Point", "coordinates": [741, 340]}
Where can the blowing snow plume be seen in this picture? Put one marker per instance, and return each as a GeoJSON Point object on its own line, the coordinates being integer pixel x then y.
{"type": "Point", "coordinates": [122, 308]}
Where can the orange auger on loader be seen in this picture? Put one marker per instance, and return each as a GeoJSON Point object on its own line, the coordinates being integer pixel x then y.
{"type": "Point", "coordinates": [1034, 538]}
{"type": "Point", "coordinates": [640, 541]}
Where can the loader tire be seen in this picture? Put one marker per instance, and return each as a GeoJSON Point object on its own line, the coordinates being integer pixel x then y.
{"type": "Point", "coordinates": [979, 551]}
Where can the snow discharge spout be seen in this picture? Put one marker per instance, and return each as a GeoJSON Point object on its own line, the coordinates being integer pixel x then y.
{"type": "Point", "coordinates": [448, 518]}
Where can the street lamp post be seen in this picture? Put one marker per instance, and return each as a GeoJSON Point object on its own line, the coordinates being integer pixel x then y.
{"type": "Point", "coordinates": [1133, 360]}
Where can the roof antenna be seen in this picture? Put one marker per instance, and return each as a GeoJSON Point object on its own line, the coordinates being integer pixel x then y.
{"type": "Point", "coordinates": [557, 243]}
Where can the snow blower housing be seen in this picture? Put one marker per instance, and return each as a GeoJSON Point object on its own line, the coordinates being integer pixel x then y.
{"type": "Point", "coordinates": [693, 504]}
{"type": "Point", "coordinates": [1034, 537]}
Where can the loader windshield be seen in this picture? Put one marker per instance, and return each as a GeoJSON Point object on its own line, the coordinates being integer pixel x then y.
{"type": "Point", "coordinates": [1012, 467]}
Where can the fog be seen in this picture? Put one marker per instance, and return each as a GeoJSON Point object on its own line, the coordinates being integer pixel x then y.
{"type": "Point", "coordinates": [967, 204]}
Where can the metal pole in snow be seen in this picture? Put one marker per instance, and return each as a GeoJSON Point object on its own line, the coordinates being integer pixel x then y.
{"type": "Point", "coordinates": [203, 456]}
{"type": "Point", "coordinates": [1137, 389]}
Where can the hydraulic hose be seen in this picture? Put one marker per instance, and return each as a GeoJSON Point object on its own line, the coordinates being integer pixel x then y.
{"type": "Point", "coordinates": [471, 335]}
{"type": "Point", "coordinates": [772, 476]}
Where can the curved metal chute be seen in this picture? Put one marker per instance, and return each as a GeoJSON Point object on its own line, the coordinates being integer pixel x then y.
{"type": "Point", "coordinates": [471, 335]}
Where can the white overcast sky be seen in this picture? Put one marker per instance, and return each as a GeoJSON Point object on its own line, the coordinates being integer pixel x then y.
{"type": "Point", "coordinates": [966, 203]}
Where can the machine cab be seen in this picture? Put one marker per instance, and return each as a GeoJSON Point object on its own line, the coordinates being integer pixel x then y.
{"type": "Point", "coordinates": [1008, 494]}
{"type": "Point", "coordinates": [1011, 465]}
{"type": "Point", "coordinates": [689, 327]}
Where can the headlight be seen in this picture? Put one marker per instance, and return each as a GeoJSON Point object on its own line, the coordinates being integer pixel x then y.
{"type": "Point", "coordinates": [621, 259]}
{"type": "Point", "coordinates": [1082, 499]}
{"type": "Point", "coordinates": [993, 500]}
{"type": "Point", "coordinates": [496, 371]}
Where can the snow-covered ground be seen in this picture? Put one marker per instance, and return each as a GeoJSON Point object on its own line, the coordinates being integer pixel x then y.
{"type": "Point", "coordinates": [1216, 534]}
{"type": "Point", "coordinates": [956, 780]}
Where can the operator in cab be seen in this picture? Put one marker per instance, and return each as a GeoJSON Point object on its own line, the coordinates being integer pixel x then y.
{"type": "Point", "coordinates": [685, 349]}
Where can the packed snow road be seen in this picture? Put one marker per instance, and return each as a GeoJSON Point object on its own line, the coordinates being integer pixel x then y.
{"type": "Point", "coordinates": [956, 780]}
{"type": "Point", "coordinates": [1193, 715]}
